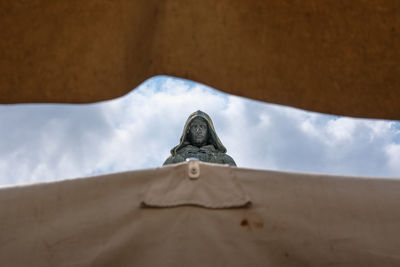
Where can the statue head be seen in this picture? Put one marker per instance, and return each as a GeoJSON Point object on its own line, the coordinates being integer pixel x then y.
{"type": "Point", "coordinates": [199, 131]}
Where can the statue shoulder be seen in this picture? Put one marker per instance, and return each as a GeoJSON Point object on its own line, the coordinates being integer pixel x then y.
{"type": "Point", "coordinates": [169, 160]}
{"type": "Point", "coordinates": [228, 160]}
{"type": "Point", "coordinates": [173, 159]}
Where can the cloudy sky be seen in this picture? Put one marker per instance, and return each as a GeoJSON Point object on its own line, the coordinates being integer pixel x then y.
{"type": "Point", "coordinates": [43, 142]}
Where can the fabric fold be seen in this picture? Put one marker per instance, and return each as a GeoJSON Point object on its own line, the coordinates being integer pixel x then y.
{"type": "Point", "coordinates": [215, 187]}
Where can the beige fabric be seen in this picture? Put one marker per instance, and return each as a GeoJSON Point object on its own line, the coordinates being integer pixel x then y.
{"type": "Point", "coordinates": [214, 187]}
{"type": "Point", "coordinates": [338, 57]}
{"type": "Point", "coordinates": [294, 220]}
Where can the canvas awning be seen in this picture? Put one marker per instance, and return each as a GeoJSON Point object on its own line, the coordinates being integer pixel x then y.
{"type": "Point", "coordinates": [338, 57]}
{"type": "Point", "coordinates": [147, 218]}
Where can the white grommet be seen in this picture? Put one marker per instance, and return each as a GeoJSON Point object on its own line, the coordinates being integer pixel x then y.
{"type": "Point", "coordinates": [193, 169]}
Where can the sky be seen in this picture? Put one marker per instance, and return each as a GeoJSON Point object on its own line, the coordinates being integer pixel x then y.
{"type": "Point", "coordinates": [46, 142]}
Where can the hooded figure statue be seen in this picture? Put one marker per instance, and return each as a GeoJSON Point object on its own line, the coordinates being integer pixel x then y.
{"type": "Point", "coordinates": [199, 140]}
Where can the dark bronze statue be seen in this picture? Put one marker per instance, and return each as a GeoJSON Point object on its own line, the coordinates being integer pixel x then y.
{"type": "Point", "coordinates": [199, 140]}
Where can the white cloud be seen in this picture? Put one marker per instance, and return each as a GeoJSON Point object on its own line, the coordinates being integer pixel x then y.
{"type": "Point", "coordinates": [341, 129]}
{"type": "Point", "coordinates": [47, 142]}
{"type": "Point", "coordinates": [393, 152]}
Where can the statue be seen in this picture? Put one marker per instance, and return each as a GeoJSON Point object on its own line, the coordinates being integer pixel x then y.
{"type": "Point", "coordinates": [199, 140]}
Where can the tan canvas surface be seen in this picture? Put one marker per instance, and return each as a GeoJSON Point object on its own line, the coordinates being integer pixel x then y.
{"type": "Point", "coordinates": [294, 220]}
{"type": "Point", "coordinates": [337, 57]}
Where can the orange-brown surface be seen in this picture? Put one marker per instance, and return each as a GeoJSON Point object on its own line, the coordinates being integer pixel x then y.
{"type": "Point", "coordinates": [328, 56]}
